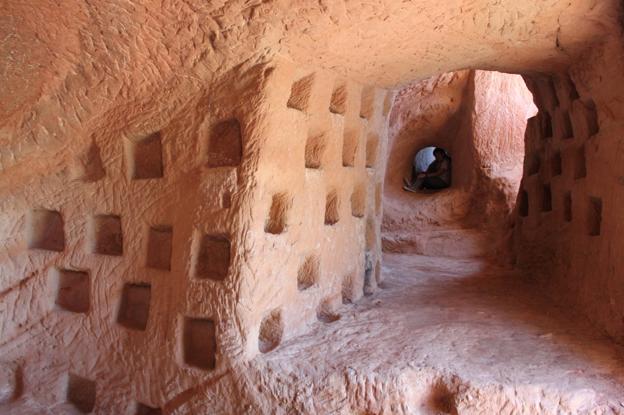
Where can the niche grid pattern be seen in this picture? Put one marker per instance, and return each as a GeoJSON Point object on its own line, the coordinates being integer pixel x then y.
{"type": "Point", "coordinates": [45, 231]}
{"type": "Point", "coordinates": [144, 160]}
{"type": "Point", "coordinates": [271, 327]}
{"type": "Point", "coordinates": [576, 121]}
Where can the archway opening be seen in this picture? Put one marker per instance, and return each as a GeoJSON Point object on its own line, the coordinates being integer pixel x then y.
{"type": "Point", "coordinates": [431, 171]}
{"type": "Point", "coordinates": [480, 118]}
{"type": "Point", "coordinates": [423, 158]}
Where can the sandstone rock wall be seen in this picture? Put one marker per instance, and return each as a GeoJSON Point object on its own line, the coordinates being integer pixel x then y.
{"type": "Point", "coordinates": [177, 199]}
{"type": "Point", "coordinates": [568, 230]}
{"type": "Point", "coordinates": [176, 246]}
{"type": "Point", "coordinates": [313, 236]}
{"type": "Point", "coordinates": [124, 263]}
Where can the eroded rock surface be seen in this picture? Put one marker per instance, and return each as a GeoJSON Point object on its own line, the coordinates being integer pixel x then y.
{"type": "Point", "coordinates": [188, 187]}
{"type": "Point", "coordinates": [446, 336]}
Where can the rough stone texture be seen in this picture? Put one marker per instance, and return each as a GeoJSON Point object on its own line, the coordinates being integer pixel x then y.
{"type": "Point", "coordinates": [314, 214]}
{"type": "Point", "coordinates": [172, 290]}
{"type": "Point", "coordinates": [132, 132]}
{"type": "Point", "coordinates": [396, 41]}
{"type": "Point", "coordinates": [572, 248]}
{"type": "Point", "coordinates": [445, 336]}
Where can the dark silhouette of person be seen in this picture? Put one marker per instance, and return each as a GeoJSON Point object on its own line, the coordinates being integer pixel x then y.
{"type": "Point", "coordinates": [437, 176]}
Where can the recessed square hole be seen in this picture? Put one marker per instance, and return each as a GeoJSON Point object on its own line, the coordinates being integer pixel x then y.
{"type": "Point", "coordinates": [315, 150]}
{"type": "Point", "coordinates": [567, 207]}
{"type": "Point", "coordinates": [332, 208]}
{"type": "Point", "coordinates": [143, 409]}
{"type": "Point", "coordinates": [308, 273]}
{"type": "Point", "coordinates": [225, 144]}
{"type": "Point", "coordinates": [555, 164]}
{"type": "Point", "coordinates": [358, 201]}
{"type": "Point", "coordinates": [135, 306]}
{"type": "Point", "coordinates": [276, 222]}
{"type": "Point", "coordinates": [338, 104]}
{"type": "Point", "coordinates": [271, 331]}
{"type": "Point", "coordinates": [594, 216]}
{"type": "Point", "coordinates": [523, 203]}
{"type": "Point", "coordinates": [326, 311]}
{"type": "Point", "coordinates": [159, 242]}
{"type": "Point", "coordinates": [81, 393]}
{"type": "Point", "coordinates": [213, 257]}
{"type": "Point", "coordinates": [546, 198]}
{"type": "Point", "coordinates": [107, 235]}
{"type": "Point", "coordinates": [145, 157]}
{"type": "Point", "coordinates": [349, 147]}
{"type": "Point", "coordinates": [73, 290]}
{"type": "Point", "coordinates": [300, 93]}
{"type": "Point", "coordinates": [200, 343]}
{"type": "Point", "coordinates": [372, 147]}
{"type": "Point", "coordinates": [45, 230]}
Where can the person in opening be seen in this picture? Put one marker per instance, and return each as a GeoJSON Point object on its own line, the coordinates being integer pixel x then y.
{"type": "Point", "coordinates": [437, 176]}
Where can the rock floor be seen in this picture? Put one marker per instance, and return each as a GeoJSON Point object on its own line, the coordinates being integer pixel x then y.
{"type": "Point", "coordinates": [444, 335]}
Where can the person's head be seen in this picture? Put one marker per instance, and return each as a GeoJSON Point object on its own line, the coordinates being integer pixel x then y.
{"type": "Point", "coordinates": [439, 153]}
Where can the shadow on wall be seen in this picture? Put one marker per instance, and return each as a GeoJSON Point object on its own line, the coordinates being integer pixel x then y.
{"type": "Point", "coordinates": [480, 118]}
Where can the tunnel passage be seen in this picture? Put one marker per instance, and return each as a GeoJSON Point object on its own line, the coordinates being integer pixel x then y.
{"type": "Point", "coordinates": [458, 293]}
{"type": "Point", "coordinates": [192, 195]}
{"type": "Point", "coordinates": [480, 118]}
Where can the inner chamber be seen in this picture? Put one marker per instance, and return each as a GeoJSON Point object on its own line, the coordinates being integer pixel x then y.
{"type": "Point", "coordinates": [480, 118]}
